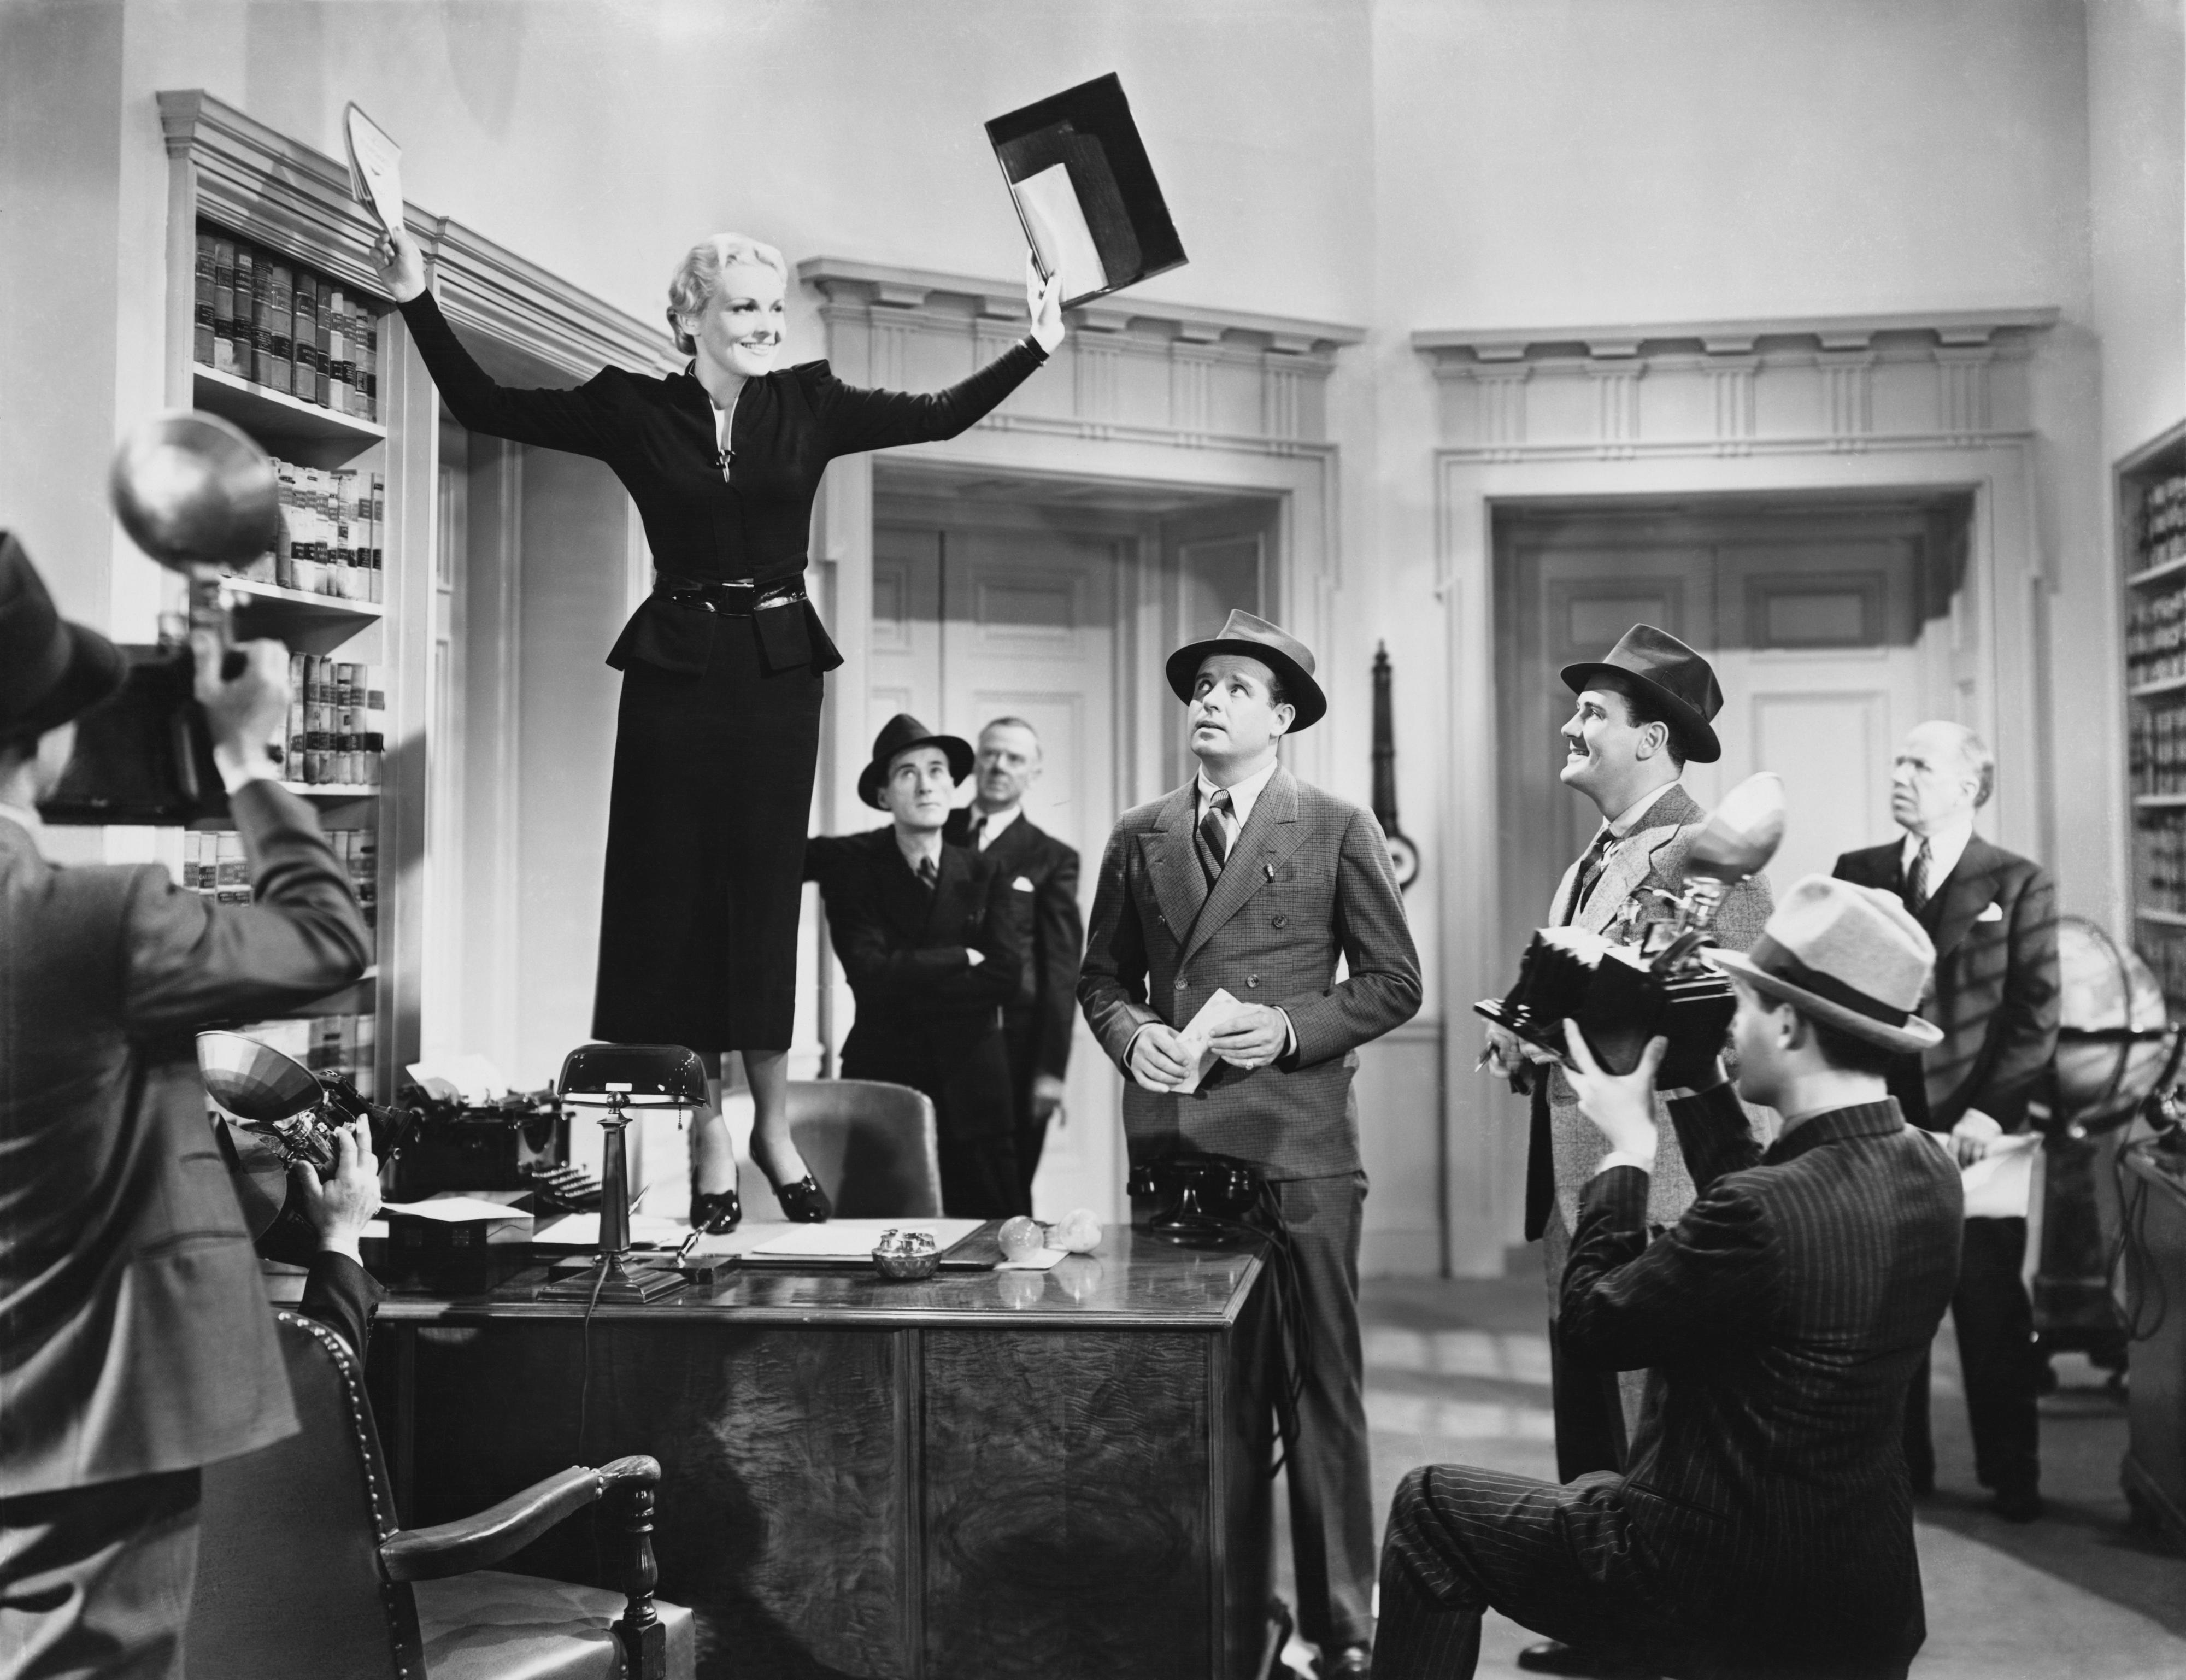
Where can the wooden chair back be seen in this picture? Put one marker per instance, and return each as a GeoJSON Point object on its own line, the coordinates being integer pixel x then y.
{"type": "Point", "coordinates": [871, 1146]}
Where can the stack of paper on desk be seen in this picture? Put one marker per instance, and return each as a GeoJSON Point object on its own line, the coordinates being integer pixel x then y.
{"type": "Point", "coordinates": [844, 1240]}
{"type": "Point", "coordinates": [582, 1230]}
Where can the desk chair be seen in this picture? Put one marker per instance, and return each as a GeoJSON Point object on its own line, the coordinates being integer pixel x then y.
{"type": "Point", "coordinates": [301, 1570]}
{"type": "Point", "coordinates": [871, 1146]}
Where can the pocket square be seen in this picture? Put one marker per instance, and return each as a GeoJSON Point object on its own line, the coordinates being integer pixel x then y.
{"type": "Point", "coordinates": [1024, 884]}
{"type": "Point", "coordinates": [1993, 913]}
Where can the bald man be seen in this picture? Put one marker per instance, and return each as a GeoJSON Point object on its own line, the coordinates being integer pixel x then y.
{"type": "Point", "coordinates": [1992, 916]}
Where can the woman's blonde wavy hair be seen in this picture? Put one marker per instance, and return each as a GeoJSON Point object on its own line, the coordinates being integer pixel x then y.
{"type": "Point", "coordinates": [700, 272]}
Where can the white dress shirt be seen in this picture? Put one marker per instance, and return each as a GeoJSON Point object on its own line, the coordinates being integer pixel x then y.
{"type": "Point", "coordinates": [1946, 846]}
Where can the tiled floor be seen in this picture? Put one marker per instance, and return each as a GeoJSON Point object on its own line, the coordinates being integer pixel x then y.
{"type": "Point", "coordinates": [1460, 1371]}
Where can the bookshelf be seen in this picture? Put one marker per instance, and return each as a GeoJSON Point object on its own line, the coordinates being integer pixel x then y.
{"type": "Point", "coordinates": [2151, 500]}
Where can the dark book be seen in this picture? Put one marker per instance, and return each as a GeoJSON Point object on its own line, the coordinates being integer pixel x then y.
{"type": "Point", "coordinates": [280, 296]}
{"type": "Point", "coordinates": [201, 316]}
{"type": "Point", "coordinates": [306, 337]}
{"type": "Point", "coordinates": [223, 306]}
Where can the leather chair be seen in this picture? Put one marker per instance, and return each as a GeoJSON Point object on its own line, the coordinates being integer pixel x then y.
{"type": "Point", "coordinates": [872, 1146]}
{"type": "Point", "coordinates": [301, 1570]}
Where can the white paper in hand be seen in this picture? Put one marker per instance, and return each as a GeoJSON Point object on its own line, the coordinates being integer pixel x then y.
{"type": "Point", "coordinates": [1214, 1014]}
{"type": "Point", "coordinates": [1060, 238]}
{"type": "Point", "coordinates": [375, 168]}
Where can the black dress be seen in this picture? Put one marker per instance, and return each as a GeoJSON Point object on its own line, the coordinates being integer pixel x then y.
{"type": "Point", "coordinates": [719, 729]}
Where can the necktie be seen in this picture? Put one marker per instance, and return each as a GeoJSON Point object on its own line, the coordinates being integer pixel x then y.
{"type": "Point", "coordinates": [927, 873]}
{"type": "Point", "coordinates": [1916, 879]}
{"type": "Point", "coordinates": [976, 835]}
{"type": "Point", "coordinates": [1590, 871]}
{"type": "Point", "coordinates": [1213, 837]}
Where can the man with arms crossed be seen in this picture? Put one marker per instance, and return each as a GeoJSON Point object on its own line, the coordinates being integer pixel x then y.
{"type": "Point", "coordinates": [1042, 877]}
{"type": "Point", "coordinates": [1993, 918]}
{"type": "Point", "coordinates": [135, 1342]}
{"type": "Point", "coordinates": [1248, 880]}
{"type": "Point", "coordinates": [1764, 1525]}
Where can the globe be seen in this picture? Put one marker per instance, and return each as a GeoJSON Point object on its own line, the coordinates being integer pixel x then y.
{"type": "Point", "coordinates": [2115, 1042]}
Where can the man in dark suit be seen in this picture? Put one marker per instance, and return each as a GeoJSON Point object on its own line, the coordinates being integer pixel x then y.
{"type": "Point", "coordinates": [1246, 880]}
{"type": "Point", "coordinates": [135, 1342]}
{"type": "Point", "coordinates": [1042, 873]}
{"type": "Point", "coordinates": [1992, 916]}
{"type": "Point", "coordinates": [925, 935]}
{"type": "Point", "coordinates": [1763, 1526]}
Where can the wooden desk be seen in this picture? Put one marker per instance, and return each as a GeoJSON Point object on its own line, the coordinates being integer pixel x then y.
{"type": "Point", "coordinates": [1056, 1474]}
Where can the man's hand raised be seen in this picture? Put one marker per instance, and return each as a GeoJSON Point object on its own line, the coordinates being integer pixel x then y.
{"type": "Point", "coordinates": [1620, 1105]}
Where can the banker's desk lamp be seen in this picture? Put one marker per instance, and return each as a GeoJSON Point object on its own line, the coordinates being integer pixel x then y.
{"type": "Point", "coordinates": [620, 1078]}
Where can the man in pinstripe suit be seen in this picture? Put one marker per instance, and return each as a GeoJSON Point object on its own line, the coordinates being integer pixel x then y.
{"type": "Point", "coordinates": [1763, 1526]}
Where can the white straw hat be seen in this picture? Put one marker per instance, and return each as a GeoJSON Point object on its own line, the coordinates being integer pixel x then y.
{"type": "Point", "coordinates": [1851, 957]}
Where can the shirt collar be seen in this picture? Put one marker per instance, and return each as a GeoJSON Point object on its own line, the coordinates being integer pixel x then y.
{"type": "Point", "coordinates": [1628, 819]}
{"type": "Point", "coordinates": [1945, 847]}
{"type": "Point", "coordinates": [31, 823]}
{"type": "Point", "coordinates": [910, 848]}
{"type": "Point", "coordinates": [1243, 795]}
{"type": "Point", "coordinates": [996, 822]}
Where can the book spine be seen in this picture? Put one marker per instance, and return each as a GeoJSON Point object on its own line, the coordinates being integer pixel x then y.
{"type": "Point", "coordinates": [202, 312]}
{"type": "Point", "coordinates": [247, 282]}
{"type": "Point", "coordinates": [368, 369]}
{"type": "Point", "coordinates": [299, 744]}
{"type": "Point", "coordinates": [305, 326]}
{"type": "Point", "coordinates": [223, 306]}
{"type": "Point", "coordinates": [280, 323]}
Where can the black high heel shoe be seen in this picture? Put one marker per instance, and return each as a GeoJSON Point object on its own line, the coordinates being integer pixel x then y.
{"type": "Point", "coordinates": [716, 1212]}
{"type": "Point", "coordinates": [803, 1203]}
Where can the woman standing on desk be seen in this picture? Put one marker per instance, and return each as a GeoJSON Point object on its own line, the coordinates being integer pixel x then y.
{"type": "Point", "coordinates": [719, 729]}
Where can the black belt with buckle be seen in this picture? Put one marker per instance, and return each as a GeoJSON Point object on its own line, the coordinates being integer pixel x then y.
{"type": "Point", "coordinates": [738, 600]}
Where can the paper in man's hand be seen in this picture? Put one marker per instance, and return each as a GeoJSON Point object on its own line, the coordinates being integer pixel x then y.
{"type": "Point", "coordinates": [1213, 1015]}
{"type": "Point", "coordinates": [375, 168]}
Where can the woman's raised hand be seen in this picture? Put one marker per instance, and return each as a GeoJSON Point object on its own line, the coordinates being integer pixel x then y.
{"type": "Point", "coordinates": [1044, 298]}
{"type": "Point", "coordinates": [402, 265]}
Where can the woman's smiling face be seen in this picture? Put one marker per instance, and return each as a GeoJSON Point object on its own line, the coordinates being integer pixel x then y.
{"type": "Point", "coordinates": [741, 327]}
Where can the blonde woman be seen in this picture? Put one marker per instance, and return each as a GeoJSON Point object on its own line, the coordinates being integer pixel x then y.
{"type": "Point", "coordinates": [723, 665]}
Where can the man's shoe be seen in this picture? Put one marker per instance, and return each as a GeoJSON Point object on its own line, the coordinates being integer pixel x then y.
{"type": "Point", "coordinates": [2018, 1504]}
{"type": "Point", "coordinates": [1553, 1656]}
{"type": "Point", "coordinates": [1353, 1662]}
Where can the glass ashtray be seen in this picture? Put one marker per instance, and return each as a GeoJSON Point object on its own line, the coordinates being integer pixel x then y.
{"type": "Point", "coordinates": [907, 1257]}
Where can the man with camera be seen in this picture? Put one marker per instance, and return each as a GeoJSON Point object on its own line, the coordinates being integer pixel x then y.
{"type": "Point", "coordinates": [1247, 882]}
{"type": "Point", "coordinates": [1763, 1526]}
{"type": "Point", "coordinates": [135, 1342]}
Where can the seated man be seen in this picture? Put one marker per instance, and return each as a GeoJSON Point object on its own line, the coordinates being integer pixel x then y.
{"type": "Point", "coordinates": [925, 934]}
{"type": "Point", "coordinates": [1764, 1524]}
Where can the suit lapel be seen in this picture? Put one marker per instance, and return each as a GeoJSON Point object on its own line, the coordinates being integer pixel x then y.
{"type": "Point", "coordinates": [1271, 834]}
{"type": "Point", "coordinates": [1877, 867]}
{"type": "Point", "coordinates": [1967, 891]}
{"type": "Point", "coordinates": [1172, 865]}
{"type": "Point", "coordinates": [952, 880]}
{"type": "Point", "coordinates": [1630, 862]}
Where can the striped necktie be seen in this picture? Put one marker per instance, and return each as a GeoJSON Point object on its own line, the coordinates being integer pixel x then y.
{"type": "Point", "coordinates": [927, 875]}
{"type": "Point", "coordinates": [973, 836]}
{"type": "Point", "coordinates": [1916, 879]}
{"type": "Point", "coordinates": [1590, 871]}
{"type": "Point", "coordinates": [1214, 836]}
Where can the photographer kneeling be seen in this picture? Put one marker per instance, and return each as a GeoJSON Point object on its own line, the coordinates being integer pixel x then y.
{"type": "Point", "coordinates": [1764, 1525]}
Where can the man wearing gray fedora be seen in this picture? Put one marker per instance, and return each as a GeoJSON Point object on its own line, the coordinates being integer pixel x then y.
{"type": "Point", "coordinates": [1248, 880]}
{"type": "Point", "coordinates": [135, 1344]}
{"type": "Point", "coordinates": [1763, 1524]}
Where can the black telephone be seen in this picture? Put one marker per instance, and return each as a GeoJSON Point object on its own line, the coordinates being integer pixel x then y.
{"type": "Point", "coordinates": [1205, 1200]}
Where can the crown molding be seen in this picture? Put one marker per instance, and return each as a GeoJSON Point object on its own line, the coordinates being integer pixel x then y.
{"type": "Point", "coordinates": [1486, 348]}
{"type": "Point", "coordinates": [881, 287]}
{"type": "Point", "coordinates": [295, 200]}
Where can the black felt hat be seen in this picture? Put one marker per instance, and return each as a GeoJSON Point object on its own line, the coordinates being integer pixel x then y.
{"type": "Point", "coordinates": [1670, 673]}
{"type": "Point", "coordinates": [899, 734]}
{"type": "Point", "coordinates": [1276, 648]}
{"type": "Point", "coordinates": [50, 669]}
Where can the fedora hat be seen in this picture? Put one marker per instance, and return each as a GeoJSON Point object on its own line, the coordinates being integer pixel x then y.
{"type": "Point", "coordinates": [1851, 957]}
{"type": "Point", "coordinates": [1281, 652]}
{"type": "Point", "coordinates": [1673, 674]}
{"type": "Point", "coordinates": [899, 734]}
{"type": "Point", "coordinates": [50, 669]}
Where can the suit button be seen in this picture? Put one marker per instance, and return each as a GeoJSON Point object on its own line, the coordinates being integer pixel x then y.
{"type": "Point", "coordinates": [1251, 980]}
{"type": "Point", "coordinates": [1282, 921]}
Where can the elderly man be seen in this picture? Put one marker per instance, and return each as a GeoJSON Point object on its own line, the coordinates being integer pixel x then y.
{"type": "Point", "coordinates": [1246, 880]}
{"type": "Point", "coordinates": [134, 1345]}
{"type": "Point", "coordinates": [1993, 918]}
{"type": "Point", "coordinates": [1763, 1527]}
{"type": "Point", "coordinates": [1042, 873]}
{"type": "Point", "coordinates": [925, 935]}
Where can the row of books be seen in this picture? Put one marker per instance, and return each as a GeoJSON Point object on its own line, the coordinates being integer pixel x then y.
{"type": "Point", "coordinates": [2164, 951]}
{"type": "Point", "coordinates": [2159, 861]}
{"type": "Point", "coordinates": [2163, 521]}
{"type": "Point", "coordinates": [332, 518]}
{"type": "Point", "coordinates": [215, 866]}
{"type": "Point", "coordinates": [336, 722]}
{"type": "Point", "coordinates": [272, 322]}
{"type": "Point", "coordinates": [325, 1044]}
{"type": "Point", "coordinates": [2156, 636]}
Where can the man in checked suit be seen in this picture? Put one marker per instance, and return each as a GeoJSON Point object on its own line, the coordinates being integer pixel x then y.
{"type": "Point", "coordinates": [1042, 873]}
{"type": "Point", "coordinates": [1993, 918]}
{"type": "Point", "coordinates": [1764, 1526]}
{"type": "Point", "coordinates": [926, 937]}
{"type": "Point", "coordinates": [135, 1342]}
{"type": "Point", "coordinates": [1249, 880]}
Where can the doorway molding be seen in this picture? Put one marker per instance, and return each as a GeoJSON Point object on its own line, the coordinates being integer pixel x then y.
{"type": "Point", "coordinates": [1920, 402]}
{"type": "Point", "coordinates": [1140, 393]}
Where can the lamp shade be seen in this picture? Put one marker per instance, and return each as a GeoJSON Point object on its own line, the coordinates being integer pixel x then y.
{"type": "Point", "coordinates": [633, 1076]}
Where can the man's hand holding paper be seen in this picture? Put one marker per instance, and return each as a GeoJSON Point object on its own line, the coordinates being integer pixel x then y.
{"type": "Point", "coordinates": [1251, 1035]}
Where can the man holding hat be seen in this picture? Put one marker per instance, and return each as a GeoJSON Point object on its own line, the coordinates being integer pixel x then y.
{"type": "Point", "coordinates": [1643, 713]}
{"type": "Point", "coordinates": [925, 934]}
{"type": "Point", "coordinates": [135, 1342]}
{"type": "Point", "coordinates": [1247, 881]}
{"type": "Point", "coordinates": [1764, 1524]}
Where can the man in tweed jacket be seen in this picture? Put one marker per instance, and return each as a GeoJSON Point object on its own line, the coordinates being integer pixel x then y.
{"type": "Point", "coordinates": [1764, 1526]}
{"type": "Point", "coordinates": [1248, 880]}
